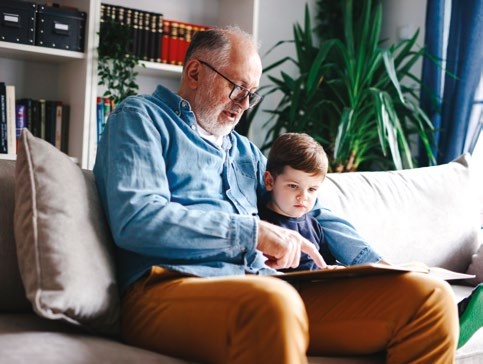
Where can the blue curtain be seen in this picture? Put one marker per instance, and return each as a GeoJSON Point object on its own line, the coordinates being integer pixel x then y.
{"type": "Point", "coordinates": [451, 95]}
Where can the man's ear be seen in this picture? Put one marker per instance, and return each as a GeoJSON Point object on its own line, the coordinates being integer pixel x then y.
{"type": "Point", "coordinates": [268, 180]}
{"type": "Point", "coordinates": [192, 70]}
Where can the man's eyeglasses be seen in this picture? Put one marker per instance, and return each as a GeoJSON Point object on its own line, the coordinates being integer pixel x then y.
{"type": "Point", "coordinates": [238, 93]}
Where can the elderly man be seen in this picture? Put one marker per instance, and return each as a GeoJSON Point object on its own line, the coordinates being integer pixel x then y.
{"type": "Point", "coordinates": [180, 189]}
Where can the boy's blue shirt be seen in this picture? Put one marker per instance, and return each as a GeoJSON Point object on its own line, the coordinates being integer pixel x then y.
{"type": "Point", "coordinates": [176, 200]}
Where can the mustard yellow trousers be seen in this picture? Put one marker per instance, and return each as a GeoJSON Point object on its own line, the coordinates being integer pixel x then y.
{"type": "Point", "coordinates": [411, 317]}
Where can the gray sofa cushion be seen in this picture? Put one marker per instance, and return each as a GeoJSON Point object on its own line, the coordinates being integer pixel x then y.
{"type": "Point", "coordinates": [31, 339]}
{"type": "Point", "coordinates": [64, 246]}
{"type": "Point", "coordinates": [436, 219]}
{"type": "Point", "coordinates": [12, 293]}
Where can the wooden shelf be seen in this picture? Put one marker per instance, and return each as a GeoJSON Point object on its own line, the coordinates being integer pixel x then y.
{"type": "Point", "coordinates": [37, 53]}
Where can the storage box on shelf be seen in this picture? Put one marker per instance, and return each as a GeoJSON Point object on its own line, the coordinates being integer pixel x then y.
{"type": "Point", "coordinates": [17, 23]}
{"type": "Point", "coordinates": [40, 72]}
{"type": "Point", "coordinates": [61, 28]}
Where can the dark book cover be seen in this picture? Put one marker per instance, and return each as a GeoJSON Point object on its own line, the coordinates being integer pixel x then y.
{"type": "Point", "coordinates": [153, 33]}
{"type": "Point", "coordinates": [139, 34]}
{"type": "Point", "coordinates": [50, 121]}
{"type": "Point", "coordinates": [3, 119]}
{"type": "Point", "coordinates": [64, 144]}
{"type": "Point", "coordinates": [159, 37]}
{"type": "Point", "coordinates": [35, 125]}
{"type": "Point", "coordinates": [146, 35]}
{"type": "Point", "coordinates": [42, 118]}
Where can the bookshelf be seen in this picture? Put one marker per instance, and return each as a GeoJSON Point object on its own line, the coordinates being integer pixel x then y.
{"type": "Point", "coordinates": [55, 74]}
{"type": "Point", "coordinates": [40, 72]}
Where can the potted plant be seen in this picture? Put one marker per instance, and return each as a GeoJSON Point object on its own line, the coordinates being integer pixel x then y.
{"type": "Point", "coordinates": [116, 63]}
{"type": "Point", "coordinates": [348, 95]}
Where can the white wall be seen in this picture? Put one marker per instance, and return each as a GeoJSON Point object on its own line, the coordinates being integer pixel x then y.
{"type": "Point", "coordinates": [401, 19]}
{"type": "Point", "coordinates": [276, 21]}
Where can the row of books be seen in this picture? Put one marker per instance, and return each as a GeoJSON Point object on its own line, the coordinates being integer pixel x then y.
{"type": "Point", "coordinates": [154, 38]}
{"type": "Point", "coordinates": [46, 119]}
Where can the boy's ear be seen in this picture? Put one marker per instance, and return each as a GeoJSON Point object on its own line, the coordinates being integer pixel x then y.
{"type": "Point", "coordinates": [268, 180]}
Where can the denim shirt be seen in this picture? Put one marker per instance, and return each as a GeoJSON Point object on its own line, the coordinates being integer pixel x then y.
{"type": "Point", "coordinates": [174, 199]}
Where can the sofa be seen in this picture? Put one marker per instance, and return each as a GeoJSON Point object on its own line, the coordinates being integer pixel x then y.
{"type": "Point", "coordinates": [58, 291]}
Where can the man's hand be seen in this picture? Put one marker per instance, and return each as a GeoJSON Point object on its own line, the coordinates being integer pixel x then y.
{"type": "Point", "coordinates": [283, 247]}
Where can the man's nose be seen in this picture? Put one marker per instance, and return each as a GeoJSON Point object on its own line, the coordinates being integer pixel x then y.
{"type": "Point", "coordinates": [244, 102]}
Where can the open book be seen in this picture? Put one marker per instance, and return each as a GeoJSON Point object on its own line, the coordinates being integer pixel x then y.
{"type": "Point", "coordinates": [372, 269]}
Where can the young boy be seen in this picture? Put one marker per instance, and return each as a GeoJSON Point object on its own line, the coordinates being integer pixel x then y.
{"type": "Point", "coordinates": [296, 167]}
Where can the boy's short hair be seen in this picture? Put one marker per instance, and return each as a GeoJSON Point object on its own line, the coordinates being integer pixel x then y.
{"type": "Point", "coordinates": [299, 151]}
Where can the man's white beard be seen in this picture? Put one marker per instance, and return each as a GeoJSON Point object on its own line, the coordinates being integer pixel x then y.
{"type": "Point", "coordinates": [207, 117]}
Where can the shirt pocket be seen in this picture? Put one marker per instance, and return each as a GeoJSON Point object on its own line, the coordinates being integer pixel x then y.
{"type": "Point", "coordinates": [245, 185]}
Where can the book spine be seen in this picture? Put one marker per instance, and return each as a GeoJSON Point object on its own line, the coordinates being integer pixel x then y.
{"type": "Point", "coordinates": [21, 120]}
{"type": "Point", "coordinates": [165, 41]}
{"type": "Point", "coordinates": [173, 43]}
{"type": "Point", "coordinates": [11, 122]}
{"type": "Point", "coordinates": [152, 37]}
{"type": "Point", "coordinates": [64, 145]}
{"type": "Point", "coordinates": [3, 119]}
{"type": "Point", "coordinates": [50, 122]}
{"type": "Point", "coordinates": [99, 117]}
{"type": "Point", "coordinates": [58, 124]}
{"type": "Point", "coordinates": [36, 118]}
{"type": "Point", "coordinates": [159, 37]}
{"type": "Point", "coordinates": [28, 112]}
{"type": "Point", "coordinates": [130, 26]}
{"type": "Point", "coordinates": [140, 35]}
{"type": "Point", "coordinates": [42, 118]}
{"type": "Point", "coordinates": [181, 43]}
{"type": "Point", "coordinates": [146, 36]}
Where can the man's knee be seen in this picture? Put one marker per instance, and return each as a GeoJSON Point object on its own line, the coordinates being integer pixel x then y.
{"type": "Point", "coordinates": [274, 299]}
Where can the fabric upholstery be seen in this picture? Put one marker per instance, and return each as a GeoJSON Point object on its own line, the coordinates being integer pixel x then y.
{"type": "Point", "coordinates": [12, 294]}
{"type": "Point", "coordinates": [32, 339]}
{"type": "Point", "coordinates": [476, 266]}
{"type": "Point", "coordinates": [64, 247]}
{"type": "Point", "coordinates": [426, 214]}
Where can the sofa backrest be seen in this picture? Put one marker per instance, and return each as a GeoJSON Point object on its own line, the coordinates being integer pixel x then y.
{"type": "Point", "coordinates": [428, 214]}
{"type": "Point", "coordinates": [12, 293]}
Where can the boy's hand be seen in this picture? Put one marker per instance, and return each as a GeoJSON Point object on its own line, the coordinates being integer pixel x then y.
{"type": "Point", "coordinates": [283, 247]}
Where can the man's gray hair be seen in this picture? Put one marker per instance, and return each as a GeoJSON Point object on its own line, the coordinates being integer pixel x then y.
{"type": "Point", "coordinates": [214, 45]}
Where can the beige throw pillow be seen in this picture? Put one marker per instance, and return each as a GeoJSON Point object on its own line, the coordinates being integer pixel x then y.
{"type": "Point", "coordinates": [64, 246]}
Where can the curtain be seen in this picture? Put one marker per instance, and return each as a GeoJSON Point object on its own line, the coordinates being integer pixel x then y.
{"type": "Point", "coordinates": [448, 93]}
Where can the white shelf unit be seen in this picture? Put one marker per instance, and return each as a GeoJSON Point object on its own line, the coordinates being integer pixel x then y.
{"type": "Point", "coordinates": [40, 72]}
{"type": "Point", "coordinates": [55, 74]}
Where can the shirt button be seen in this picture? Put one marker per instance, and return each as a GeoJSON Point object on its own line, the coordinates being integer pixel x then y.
{"type": "Point", "coordinates": [177, 112]}
{"type": "Point", "coordinates": [184, 104]}
{"type": "Point", "coordinates": [193, 127]}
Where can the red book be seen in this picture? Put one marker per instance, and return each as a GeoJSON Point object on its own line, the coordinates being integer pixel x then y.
{"type": "Point", "coordinates": [173, 43]}
{"type": "Point", "coordinates": [165, 40]}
